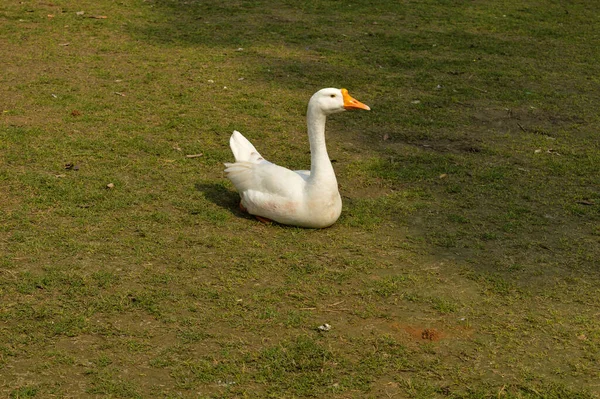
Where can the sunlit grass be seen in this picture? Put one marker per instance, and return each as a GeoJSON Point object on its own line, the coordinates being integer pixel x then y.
{"type": "Point", "coordinates": [464, 264]}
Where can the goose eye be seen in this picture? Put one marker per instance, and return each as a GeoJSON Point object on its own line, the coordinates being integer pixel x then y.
{"type": "Point", "coordinates": [332, 96]}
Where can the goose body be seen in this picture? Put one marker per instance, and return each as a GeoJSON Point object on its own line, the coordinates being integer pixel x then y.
{"type": "Point", "coordinates": [299, 198]}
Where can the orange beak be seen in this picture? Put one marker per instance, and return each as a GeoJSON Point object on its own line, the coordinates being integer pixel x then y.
{"type": "Point", "coordinates": [352, 103]}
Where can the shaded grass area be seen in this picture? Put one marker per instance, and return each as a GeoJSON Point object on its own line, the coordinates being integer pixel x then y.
{"type": "Point", "coordinates": [465, 261]}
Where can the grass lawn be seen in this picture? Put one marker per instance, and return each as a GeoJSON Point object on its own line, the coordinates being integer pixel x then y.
{"type": "Point", "coordinates": [466, 260]}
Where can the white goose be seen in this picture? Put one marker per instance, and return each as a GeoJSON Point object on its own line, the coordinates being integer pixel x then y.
{"type": "Point", "coordinates": [299, 198]}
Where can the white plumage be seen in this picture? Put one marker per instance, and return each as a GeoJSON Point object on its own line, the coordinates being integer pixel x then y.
{"type": "Point", "coordinates": [299, 198]}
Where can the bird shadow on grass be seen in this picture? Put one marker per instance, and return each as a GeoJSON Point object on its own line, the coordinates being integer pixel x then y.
{"type": "Point", "coordinates": [221, 196]}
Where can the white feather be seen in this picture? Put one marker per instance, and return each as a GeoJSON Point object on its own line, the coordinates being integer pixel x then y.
{"type": "Point", "coordinates": [301, 198]}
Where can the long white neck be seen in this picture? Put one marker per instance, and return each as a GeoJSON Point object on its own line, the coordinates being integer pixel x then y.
{"type": "Point", "coordinates": [321, 170]}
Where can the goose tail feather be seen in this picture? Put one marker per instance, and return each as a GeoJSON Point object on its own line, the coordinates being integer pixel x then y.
{"type": "Point", "coordinates": [242, 149]}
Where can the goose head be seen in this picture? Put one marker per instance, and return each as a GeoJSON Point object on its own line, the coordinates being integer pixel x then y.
{"type": "Point", "coordinates": [331, 101]}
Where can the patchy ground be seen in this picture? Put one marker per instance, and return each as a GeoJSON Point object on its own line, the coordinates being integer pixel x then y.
{"type": "Point", "coordinates": [464, 264]}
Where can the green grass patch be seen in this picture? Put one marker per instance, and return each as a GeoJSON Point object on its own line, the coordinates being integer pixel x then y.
{"type": "Point", "coordinates": [464, 264]}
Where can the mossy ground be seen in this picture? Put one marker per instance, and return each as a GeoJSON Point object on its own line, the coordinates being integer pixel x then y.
{"type": "Point", "coordinates": [465, 262]}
